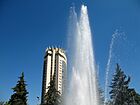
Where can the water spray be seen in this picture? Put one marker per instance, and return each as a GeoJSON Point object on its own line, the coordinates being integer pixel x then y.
{"type": "Point", "coordinates": [115, 36]}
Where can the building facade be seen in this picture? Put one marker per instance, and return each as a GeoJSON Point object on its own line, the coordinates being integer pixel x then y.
{"type": "Point", "coordinates": [55, 63]}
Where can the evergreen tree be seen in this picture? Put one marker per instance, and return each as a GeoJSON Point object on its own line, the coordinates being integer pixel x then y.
{"type": "Point", "coordinates": [1, 102]}
{"type": "Point", "coordinates": [137, 98]}
{"type": "Point", "coordinates": [4, 103]}
{"type": "Point", "coordinates": [101, 97]}
{"type": "Point", "coordinates": [119, 87]}
{"type": "Point", "coordinates": [100, 92]}
{"type": "Point", "coordinates": [109, 102]}
{"type": "Point", "coordinates": [133, 97]}
{"type": "Point", "coordinates": [52, 97]}
{"type": "Point", "coordinates": [20, 93]}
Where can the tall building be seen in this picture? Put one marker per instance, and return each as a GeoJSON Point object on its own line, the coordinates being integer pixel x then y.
{"type": "Point", "coordinates": [55, 63]}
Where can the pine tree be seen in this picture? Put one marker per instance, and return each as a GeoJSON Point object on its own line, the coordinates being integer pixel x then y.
{"type": "Point", "coordinates": [133, 97]}
{"type": "Point", "coordinates": [119, 87]}
{"type": "Point", "coordinates": [109, 102]}
{"type": "Point", "coordinates": [1, 102]}
{"type": "Point", "coordinates": [101, 97]}
{"type": "Point", "coordinates": [137, 98]}
{"type": "Point", "coordinates": [100, 92]}
{"type": "Point", "coordinates": [52, 97]}
{"type": "Point", "coordinates": [4, 103]}
{"type": "Point", "coordinates": [20, 93]}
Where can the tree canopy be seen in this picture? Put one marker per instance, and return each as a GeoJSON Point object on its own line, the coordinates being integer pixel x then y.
{"type": "Point", "coordinates": [52, 97]}
{"type": "Point", "coordinates": [20, 93]}
{"type": "Point", "coordinates": [121, 93]}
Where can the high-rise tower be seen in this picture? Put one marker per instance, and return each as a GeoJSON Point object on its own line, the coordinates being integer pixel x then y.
{"type": "Point", "coordinates": [55, 63]}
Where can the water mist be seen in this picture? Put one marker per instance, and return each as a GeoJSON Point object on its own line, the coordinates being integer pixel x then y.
{"type": "Point", "coordinates": [83, 83]}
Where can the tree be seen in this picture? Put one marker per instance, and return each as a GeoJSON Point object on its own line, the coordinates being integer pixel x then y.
{"type": "Point", "coordinates": [4, 103]}
{"type": "Point", "coordinates": [137, 98]}
{"type": "Point", "coordinates": [119, 87]}
{"type": "Point", "coordinates": [1, 102]}
{"type": "Point", "coordinates": [52, 97]}
{"type": "Point", "coordinates": [133, 97]}
{"type": "Point", "coordinates": [101, 97]}
{"type": "Point", "coordinates": [100, 92]}
{"type": "Point", "coordinates": [20, 93]}
{"type": "Point", "coordinates": [109, 102]}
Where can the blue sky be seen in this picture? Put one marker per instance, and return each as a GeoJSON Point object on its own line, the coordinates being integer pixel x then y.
{"type": "Point", "coordinates": [28, 27]}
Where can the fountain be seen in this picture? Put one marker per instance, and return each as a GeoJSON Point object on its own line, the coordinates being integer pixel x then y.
{"type": "Point", "coordinates": [83, 83]}
{"type": "Point", "coordinates": [117, 38]}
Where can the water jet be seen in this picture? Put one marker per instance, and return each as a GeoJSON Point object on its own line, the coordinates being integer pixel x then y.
{"type": "Point", "coordinates": [83, 83]}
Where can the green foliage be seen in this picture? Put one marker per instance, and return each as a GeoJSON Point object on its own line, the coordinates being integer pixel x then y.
{"type": "Point", "coordinates": [121, 94]}
{"type": "Point", "coordinates": [101, 96]}
{"type": "Point", "coordinates": [52, 97]}
{"type": "Point", "coordinates": [119, 87]}
{"type": "Point", "coordinates": [20, 93]}
{"type": "Point", "coordinates": [109, 103]}
{"type": "Point", "coordinates": [133, 97]}
{"type": "Point", "coordinates": [1, 103]}
{"type": "Point", "coordinates": [4, 103]}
